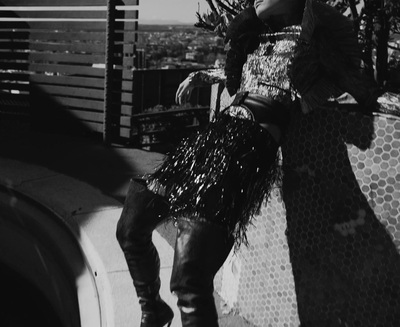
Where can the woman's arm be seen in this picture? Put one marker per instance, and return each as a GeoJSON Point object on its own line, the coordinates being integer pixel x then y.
{"type": "Point", "coordinates": [198, 78]}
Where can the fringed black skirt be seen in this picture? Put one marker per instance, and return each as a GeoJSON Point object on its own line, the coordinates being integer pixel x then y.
{"type": "Point", "coordinates": [222, 174]}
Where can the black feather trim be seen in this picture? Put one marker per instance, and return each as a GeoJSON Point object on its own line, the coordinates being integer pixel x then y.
{"type": "Point", "coordinates": [222, 174]}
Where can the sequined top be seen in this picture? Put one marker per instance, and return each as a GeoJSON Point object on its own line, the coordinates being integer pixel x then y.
{"type": "Point", "coordinates": [322, 68]}
{"type": "Point", "coordinates": [265, 71]}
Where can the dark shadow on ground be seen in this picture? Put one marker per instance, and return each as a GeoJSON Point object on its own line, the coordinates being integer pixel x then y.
{"type": "Point", "coordinates": [55, 139]}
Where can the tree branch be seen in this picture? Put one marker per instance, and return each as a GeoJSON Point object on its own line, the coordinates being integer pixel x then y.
{"type": "Point", "coordinates": [201, 23]}
{"type": "Point", "coordinates": [212, 7]}
{"type": "Point", "coordinates": [225, 7]}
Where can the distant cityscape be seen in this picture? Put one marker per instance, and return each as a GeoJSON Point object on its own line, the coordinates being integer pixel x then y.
{"type": "Point", "coordinates": [177, 46]}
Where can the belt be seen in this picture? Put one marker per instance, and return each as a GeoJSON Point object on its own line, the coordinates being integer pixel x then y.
{"type": "Point", "coordinates": [258, 108]}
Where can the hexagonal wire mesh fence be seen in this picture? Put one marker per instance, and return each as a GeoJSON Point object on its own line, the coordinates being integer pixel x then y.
{"type": "Point", "coordinates": [324, 250]}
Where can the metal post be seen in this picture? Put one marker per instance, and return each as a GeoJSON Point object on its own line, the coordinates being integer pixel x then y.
{"type": "Point", "coordinates": [108, 73]}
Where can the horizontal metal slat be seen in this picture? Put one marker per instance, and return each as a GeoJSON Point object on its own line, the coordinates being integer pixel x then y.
{"type": "Point", "coordinates": [50, 35]}
{"type": "Point", "coordinates": [75, 25]}
{"type": "Point", "coordinates": [53, 69]}
{"type": "Point", "coordinates": [24, 87]}
{"type": "Point", "coordinates": [70, 102]}
{"type": "Point", "coordinates": [68, 80]}
{"type": "Point", "coordinates": [13, 45]}
{"type": "Point", "coordinates": [69, 91]}
{"type": "Point", "coordinates": [29, 35]}
{"type": "Point", "coordinates": [46, 3]}
{"type": "Point", "coordinates": [64, 14]}
{"type": "Point", "coordinates": [87, 115]}
{"type": "Point", "coordinates": [14, 76]}
{"type": "Point", "coordinates": [72, 47]}
{"type": "Point", "coordinates": [77, 47]}
{"type": "Point", "coordinates": [67, 70]}
{"type": "Point", "coordinates": [65, 58]}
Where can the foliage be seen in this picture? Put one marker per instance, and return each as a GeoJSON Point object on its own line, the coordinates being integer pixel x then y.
{"type": "Point", "coordinates": [222, 12]}
{"type": "Point", "coordinates": [376, 22]}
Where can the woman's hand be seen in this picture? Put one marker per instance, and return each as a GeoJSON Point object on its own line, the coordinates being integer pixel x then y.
{"type": "Point", "coordinates": [184, 91]}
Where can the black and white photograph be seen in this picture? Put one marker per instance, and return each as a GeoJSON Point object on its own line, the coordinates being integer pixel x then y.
{"type": "Point", "coordinates": [200, 163]}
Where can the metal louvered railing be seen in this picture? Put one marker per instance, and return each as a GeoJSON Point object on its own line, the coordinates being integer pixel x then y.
{"type": "Point", "coordinates": [69, 67]}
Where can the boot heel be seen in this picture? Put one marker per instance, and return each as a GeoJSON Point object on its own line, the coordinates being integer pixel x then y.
{"type": "Point", "coordinates": [158, 314]}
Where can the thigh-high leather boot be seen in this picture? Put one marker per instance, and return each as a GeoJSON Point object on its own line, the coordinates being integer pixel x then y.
{"type": "Point", "coordinates": [201, 249]}
{"type": "Point", "coordinates": [143, 211]}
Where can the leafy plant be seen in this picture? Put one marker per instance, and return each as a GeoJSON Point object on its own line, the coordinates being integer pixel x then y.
{"type": "Point", "coordinates": [377, 22]}
{"type": "Point", "coordinates": [222, 12]}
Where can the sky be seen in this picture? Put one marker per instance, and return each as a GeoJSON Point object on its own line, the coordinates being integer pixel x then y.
{"type": "Point", "coordinates": [183, 11]}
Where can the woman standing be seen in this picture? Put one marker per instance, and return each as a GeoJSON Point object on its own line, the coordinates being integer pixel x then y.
{"type": "Point", "coordinates": [217, 180]}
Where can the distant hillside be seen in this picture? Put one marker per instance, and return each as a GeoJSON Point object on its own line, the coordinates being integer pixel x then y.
{"type": "Point", "coordinates": [165, 25]}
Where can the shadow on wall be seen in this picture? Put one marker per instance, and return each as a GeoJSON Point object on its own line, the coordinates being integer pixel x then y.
{"type": "Point", "coordinates": [59, 141]}
{"type": "Point", "coordinates": [345, 264]}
